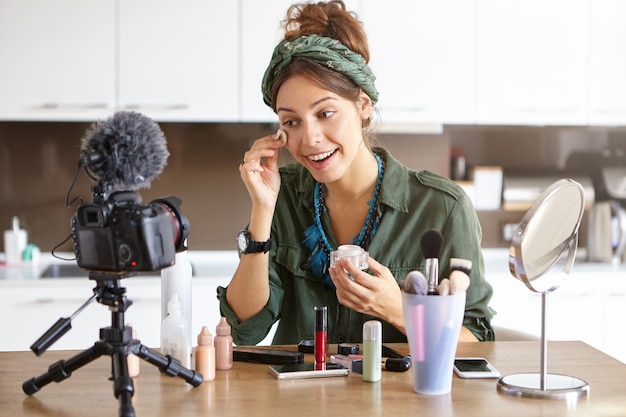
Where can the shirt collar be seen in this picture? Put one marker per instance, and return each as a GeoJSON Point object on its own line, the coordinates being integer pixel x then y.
{"type": "Point", "coordinates": [395, 182]}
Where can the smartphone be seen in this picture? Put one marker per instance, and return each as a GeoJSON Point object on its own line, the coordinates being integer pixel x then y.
{"type": "Point", "coordinates": [307, 370]}
{"type": "Point", "coordinates": [270, 356]}
{"type": "Point", "coordinates": [475, 368]}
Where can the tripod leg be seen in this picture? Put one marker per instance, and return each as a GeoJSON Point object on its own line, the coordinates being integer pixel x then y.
{"type": "Point", "coordinates": [168, 364]}
{"type": "Point", "coordinates": [61, 370]}
{"type": "Point", "coordinates": [123, 387]}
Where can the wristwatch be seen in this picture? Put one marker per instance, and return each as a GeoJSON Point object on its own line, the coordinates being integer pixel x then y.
{"type": "Point", "coordinates": [245, 244]}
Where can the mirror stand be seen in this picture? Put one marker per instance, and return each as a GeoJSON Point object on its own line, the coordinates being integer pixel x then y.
{"type": "Point", "coordinates": [543, 385]}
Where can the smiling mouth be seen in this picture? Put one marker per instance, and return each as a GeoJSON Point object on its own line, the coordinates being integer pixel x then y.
{"type": "Point", "coordinates": [322, 156]}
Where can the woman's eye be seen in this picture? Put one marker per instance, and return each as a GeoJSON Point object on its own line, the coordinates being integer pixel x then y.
{"type": "Point", "coordinates": [288, 123]}
{"type": "Point", "coordinates": [326, 114]}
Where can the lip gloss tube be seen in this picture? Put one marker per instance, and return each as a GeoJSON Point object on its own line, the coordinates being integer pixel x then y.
{"type": "Point", "coordinates": [320, 337]}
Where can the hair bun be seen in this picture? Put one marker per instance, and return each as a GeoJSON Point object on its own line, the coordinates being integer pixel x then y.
{"type": "Point", "coordinates": [327, 19]}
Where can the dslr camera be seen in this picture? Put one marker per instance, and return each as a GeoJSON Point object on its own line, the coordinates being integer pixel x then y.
{"type": "Point", "coordinates": [117, 234]}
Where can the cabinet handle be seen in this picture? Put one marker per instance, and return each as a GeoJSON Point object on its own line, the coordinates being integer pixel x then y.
{"type": "Point", "coordinates": [73, 106]}
{"type": "Point", "coordinates": [609, 111]}
{"type": "Point", "coordinates": [168, 107]}
{"type": "Point", "coordinates": [546, 109]}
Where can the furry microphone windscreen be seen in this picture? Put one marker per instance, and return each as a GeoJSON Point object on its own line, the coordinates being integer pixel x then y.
{"type": "Point", "coordinates": [127, 151]}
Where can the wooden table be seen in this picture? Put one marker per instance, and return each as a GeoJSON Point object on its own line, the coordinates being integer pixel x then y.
{"type": "Point", "coordinates": [248, 390]}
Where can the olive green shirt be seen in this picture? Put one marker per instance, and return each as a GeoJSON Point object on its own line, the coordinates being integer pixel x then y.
{"type": "Point", "coordinates": [412, 203]}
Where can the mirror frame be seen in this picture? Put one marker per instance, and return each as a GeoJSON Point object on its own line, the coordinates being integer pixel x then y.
{"type": "Point", "coordinates": [526, 270]}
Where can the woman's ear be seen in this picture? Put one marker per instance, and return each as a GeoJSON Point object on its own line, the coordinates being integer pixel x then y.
{"type": "Point", "coordinates": [364, 106]}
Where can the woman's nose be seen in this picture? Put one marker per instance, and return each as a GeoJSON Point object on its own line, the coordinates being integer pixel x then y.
{"type": "Point", "coordinates": [311, 133]}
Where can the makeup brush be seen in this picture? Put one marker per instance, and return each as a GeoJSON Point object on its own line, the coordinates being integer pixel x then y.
{"type": "Point", "coordinates": [459, 277]}
{"type": "Point", "coordinates": [414, 283]}
{"type": "Point", "coordinates": [431, 242]}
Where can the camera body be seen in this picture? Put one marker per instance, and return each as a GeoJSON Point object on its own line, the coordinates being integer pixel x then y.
{"type": "Point", "coordinates": [118, 234]}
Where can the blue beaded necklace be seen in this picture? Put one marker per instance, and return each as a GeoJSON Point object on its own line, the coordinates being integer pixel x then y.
{"type": "Point", "coordinates": [315, 238]}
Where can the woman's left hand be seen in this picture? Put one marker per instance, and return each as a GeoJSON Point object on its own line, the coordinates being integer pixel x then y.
{"type": "Point", "coordinates": [377, 295]}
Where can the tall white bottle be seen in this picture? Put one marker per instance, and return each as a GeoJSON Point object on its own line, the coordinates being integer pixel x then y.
{"type": "Point", "coordinates": [176, 279]}
{"type": "Point", "coordinates": [15, 240]}
{"type": "Point", "coordinates": [174, 331]}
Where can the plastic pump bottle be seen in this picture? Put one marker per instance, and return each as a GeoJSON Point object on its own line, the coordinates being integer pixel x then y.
{"type": "Point", "coordinates": [14, 242]}
{"type": "Point", "coordinates": [174, 331]}
{"type": "Point", "coordinates": [176, 279]}
{"type": "Point", "coordinates": [223, 346]}
{"type": "Point", "coordinates": [372, 350]}
{"type": "Point", "coordinates": [205, 355]}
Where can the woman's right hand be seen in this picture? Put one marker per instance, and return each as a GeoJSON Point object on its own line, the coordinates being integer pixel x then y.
{"type": "Point", "coordinates": [259, 170]}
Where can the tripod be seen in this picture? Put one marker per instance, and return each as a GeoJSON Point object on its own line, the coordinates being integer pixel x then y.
{"type": "Point", "coordinates": [115, 341]}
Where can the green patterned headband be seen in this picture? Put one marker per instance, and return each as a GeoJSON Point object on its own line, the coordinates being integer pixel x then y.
{"type": "Point", "coordinates": [325, 51]}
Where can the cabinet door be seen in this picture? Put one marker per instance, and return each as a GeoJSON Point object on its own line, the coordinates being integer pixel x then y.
{"type": "Point", "coordinates": [58, 59]}
{"type": "Point", "coordinates": [575, 313]}
{"type": "Point", "coordinates": [517, 308]}
{"type": "Point", "coordinates": [31, 308]}
{"type": "Point", "coordinates": [422, 53]}
{"type": "Point", "coordinates": [532, 60]}
{"type": "Point", "coordinates": [614, 313]}
{"type": "Point", "coordinates": [260, 33]}
{"type": "Point", "coordinates": [607, 87]}
{"type": "Point", "coordinates": [179, 60]}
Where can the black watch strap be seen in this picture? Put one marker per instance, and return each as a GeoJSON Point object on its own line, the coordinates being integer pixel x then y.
{"type": "Point", "coordinates": [257, 247]}
{"type": "Point", "coordinates": [247, 245]}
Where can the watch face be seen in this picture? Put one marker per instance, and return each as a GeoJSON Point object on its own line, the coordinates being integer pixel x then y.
{"type": "Point", "coordinates": [242, 242]}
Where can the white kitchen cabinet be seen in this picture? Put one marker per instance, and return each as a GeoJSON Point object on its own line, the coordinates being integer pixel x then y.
{"type": "Point", "coordinates": [532, 62]}
{"type": "Point", "coordinates": [77, 60]}
{"type": "Point", "coordinates": [614, 313]}
{"type": "Point", "coordinates": [178, 61]}
{"type": "Point", "coordinates": [58, 59]}
{"type": "Point", "coordinates": [607, 78]}
{"type": "Point", "coordinates": [423, 55]}
{"type": "Point", "coordinates": [260, 33]}
{"type": "Point", "coordinates": [32, 307]}
{"type": "Point", "coordinates": [588, 306]}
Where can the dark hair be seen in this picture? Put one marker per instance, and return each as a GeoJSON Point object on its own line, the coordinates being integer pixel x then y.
{"type": "Point", "coordinates": [332, 20]}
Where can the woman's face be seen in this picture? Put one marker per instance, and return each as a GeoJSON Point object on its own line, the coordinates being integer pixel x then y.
{"type": "Point", "coordinates": [323, 129]}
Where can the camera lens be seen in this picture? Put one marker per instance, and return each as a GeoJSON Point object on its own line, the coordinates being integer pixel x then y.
{"type": "Point", "coordinates": [179, 221]}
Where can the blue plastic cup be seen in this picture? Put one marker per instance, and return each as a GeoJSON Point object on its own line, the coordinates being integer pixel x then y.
{"type": "Point", "coordinates": [433, 324]}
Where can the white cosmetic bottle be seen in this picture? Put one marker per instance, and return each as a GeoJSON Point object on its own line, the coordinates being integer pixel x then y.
{"type": "Point", "coordinates": [174, 331]}
{"type": "Point", "coordinates": [176, 279]}
{"type": "Point", "coordinates": [15, 241]}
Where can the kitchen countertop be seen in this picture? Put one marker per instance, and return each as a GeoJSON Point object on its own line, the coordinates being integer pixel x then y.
{"type": "Point", "coordinates": [248, 389]}
{"type": "Point", "coordinates": [208, 264]}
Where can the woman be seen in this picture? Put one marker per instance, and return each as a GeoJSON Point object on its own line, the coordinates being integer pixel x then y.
{"type": "Point", "coordinates": [341, 190]}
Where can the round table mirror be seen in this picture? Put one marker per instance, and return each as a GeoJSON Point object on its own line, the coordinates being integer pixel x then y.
{"type": "Point", "coordinates": [546, 237]}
